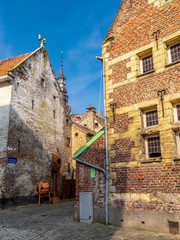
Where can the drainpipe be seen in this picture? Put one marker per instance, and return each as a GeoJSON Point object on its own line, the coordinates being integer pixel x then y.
{"type": "Point", "coordinates": [90, 165]}
{"type": "Point", "coordinates": [106, 143]}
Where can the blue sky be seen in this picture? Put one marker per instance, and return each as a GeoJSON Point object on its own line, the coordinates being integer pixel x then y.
{"type": "Point", "coordinates": [77, 28]}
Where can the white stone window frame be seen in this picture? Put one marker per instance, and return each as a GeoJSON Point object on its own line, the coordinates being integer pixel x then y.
{"type": "Point", "coordinates": [175, 111]}
{"type": "Point", "coordinates": [169, 51]}
{"type": "Point", "coordinates": [141, 62]}
{"type": "Point", "coordinates": [178, 142]}
{"type": "Point", "coordinates": [146, 145]}
{"type": "Point", "coordinates": [144, 116]}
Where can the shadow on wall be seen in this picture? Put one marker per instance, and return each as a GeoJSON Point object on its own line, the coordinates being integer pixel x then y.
{"type": "Point", "coordinates": [32, 144]}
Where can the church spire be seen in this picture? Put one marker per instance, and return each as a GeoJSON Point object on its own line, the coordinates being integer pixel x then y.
{"type": "Point", "coordinates": [62, 80]}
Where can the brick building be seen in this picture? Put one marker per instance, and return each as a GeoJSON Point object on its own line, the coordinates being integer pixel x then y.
{"type": "Point", "coordinates": [84, 126]}
{"type": "Point", "coordinates": [93, 152]}
{"type": "Point", "coordinates": [142, 71]}
{"type": "Point", "coordinates": [34, 123]}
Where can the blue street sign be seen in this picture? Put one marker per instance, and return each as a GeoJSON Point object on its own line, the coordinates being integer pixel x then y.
{"type": "Point", "coordinates": [12, 160]}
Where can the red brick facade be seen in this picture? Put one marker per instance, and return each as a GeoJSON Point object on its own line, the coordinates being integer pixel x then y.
{"type": "Point", "coordinates": [95, 154]}
{"type": "Point", "coordinates": [137, 181]}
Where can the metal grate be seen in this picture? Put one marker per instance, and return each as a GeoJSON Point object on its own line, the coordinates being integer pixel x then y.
{"type": "Point", "coordinates": [173, 227]}
{"type": "Point", "coordinates": [175, 52]}
{"type": "Point", "coordinates": [151, 118]}
{"type": "Point", "coordinates": [154, 147]}
{"type": "Point", "coordinates": [147, 64]}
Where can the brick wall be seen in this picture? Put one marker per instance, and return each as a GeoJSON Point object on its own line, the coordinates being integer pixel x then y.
{"type": "Point", "coordinates": [135, 182]}
{"type": "Point", "coordinates": [95, 154]}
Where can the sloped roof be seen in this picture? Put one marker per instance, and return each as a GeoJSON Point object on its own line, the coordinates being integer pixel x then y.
{"type": "Point", "coordinates": [7, 64]}
{"type": "Point", "coordinates": [84, 129]}
{"type": "Point", "coordinates": [90, 142]}
{"type": "Point", "coordinates": [84, 115]}
{"type": "Point", "coordinates": [81, 115]}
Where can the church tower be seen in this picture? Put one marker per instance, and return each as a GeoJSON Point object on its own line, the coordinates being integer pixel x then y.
{"type": "Point", "coordinates": [62, 82]}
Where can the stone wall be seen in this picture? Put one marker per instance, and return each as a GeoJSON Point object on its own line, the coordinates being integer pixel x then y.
{"type": "Point", "coordinates": [138, 184]}
{"type": "Point", "coordinates": [37, 128]}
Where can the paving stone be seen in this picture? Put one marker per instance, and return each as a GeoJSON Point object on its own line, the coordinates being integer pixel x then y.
{"type": "Point", "coordinates": [56, 222]}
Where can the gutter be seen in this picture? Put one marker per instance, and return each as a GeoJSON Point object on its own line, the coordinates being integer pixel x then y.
{"type": "Point", "coordinates": [5, 77]}
{"type": "Point", "coordinates": [106, 143]}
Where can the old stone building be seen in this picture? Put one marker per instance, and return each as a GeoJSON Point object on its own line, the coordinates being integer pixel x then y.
{"type": "Point", "coordinates": [34, 124]}
{"type": "Point", "coordinates": [142, 72]}
{"type": "Point", "coordinates": [84, 126]}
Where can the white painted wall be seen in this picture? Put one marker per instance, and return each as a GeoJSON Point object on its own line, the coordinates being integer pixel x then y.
{"type": "Point", "coordinates": [5, 98]}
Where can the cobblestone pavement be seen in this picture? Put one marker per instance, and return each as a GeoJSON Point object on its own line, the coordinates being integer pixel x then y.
{"type": "Point", "coordinates": [55, 221]}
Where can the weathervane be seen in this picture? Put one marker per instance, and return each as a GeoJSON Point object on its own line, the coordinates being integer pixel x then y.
{"type": "Point", "coordinates": [43, 40]}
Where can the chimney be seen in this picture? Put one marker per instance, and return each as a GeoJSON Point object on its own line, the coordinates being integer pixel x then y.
{"type": "Point", "coordinates": [91, 112]}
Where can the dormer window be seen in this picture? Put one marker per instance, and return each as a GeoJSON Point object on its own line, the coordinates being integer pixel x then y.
{"type": "Point", "coordinates": [78, 119]}
{"type": "Point", "coordinates": [96, 125]}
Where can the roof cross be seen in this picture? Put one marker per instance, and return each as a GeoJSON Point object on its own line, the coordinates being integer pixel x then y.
{"type": "Point", "coordinates": [43, 40]}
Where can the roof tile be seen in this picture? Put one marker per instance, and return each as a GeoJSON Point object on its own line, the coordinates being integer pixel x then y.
{"type": "Point", "coordinates": [8, 64]}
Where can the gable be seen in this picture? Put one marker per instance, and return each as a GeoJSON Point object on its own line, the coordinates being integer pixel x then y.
{"type": "Point", "coordinates": [135, 22]}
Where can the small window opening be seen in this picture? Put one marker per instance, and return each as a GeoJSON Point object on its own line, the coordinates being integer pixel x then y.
{"type": "Point", "coordinates": [67, 122]}
{"type": "Point", "coordinates": [85, 125]}
{"type": "Point", "coordinates": [19, 145]}
{"type": "Point", "coordinates": [78, 119]}
{"type": "Point", "coordinates": [76, 134]}
{"type": "Point", "coordinates": [173, 227]}
{"type": "Point", "coordinates": [68, 142]}
{"type": "Point", "coordinates": [96, 124]}
{"type": "Point", "coordinates": [32, 104]}
{"type": "Point", "coordinates": [42, 83]}
{"type": "Point", "coordinates": [69, 167]}
{"type": "Point", "coordinates": [54, 114]}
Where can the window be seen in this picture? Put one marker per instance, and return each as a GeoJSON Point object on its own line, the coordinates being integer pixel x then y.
{"type": "Point", "coordinates": [147, 63]}
{"type": "Point", "coordinates": [174, 52]}
{"type": "Point", "coordinates": [68, 141]}
{"type": "Point", "coordinates": [19, 145]}
{"type": "Point", "coordinates": [76, 134]}
{"type": "Point", "coordinates": [153, 148]}
{"type": "Point", "coordinates": [78, 119]}
{"type": "Point", "coordinates": [54, 114]}
{"type": "Point", "coordinates": [96, 125]}
{"type": "Point", "coordinates": [42, 83]}
{"type": "Point", "coordinates": [32, 104]}
{"type": "Point", "coordinates": [150, 117]}
{"type": "Point", "coordinates": [67, 122]}
{"type": "Point", "coordinates": [178, 142]}
{"type": "Point", "coordinates": [176, 107]}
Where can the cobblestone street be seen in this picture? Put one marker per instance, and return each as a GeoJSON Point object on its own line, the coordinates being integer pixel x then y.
{"type": "Point", "coordinates": [55, 221]}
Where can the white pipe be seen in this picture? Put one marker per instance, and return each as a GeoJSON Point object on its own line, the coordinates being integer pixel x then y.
{"type": "Point", "coordinates": [106, 142]}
